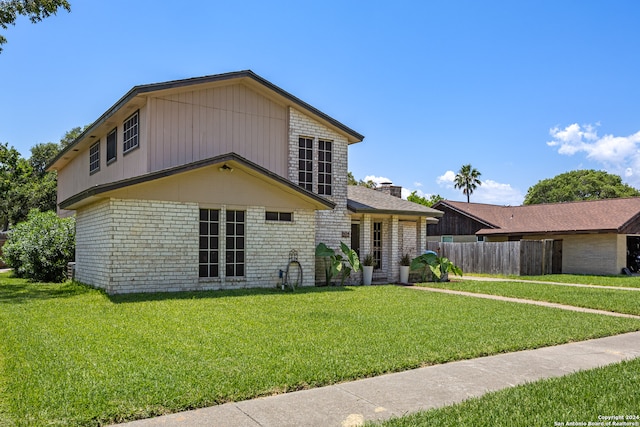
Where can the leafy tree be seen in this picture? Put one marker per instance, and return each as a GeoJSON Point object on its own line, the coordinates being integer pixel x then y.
{"type": "Point", "coordinates": [352, 181]}
{"type": "Point", "coordinates": [585, 184]}
{"type": "Point", "coordinates": [468, 179]}
{"type": "Point", "coordinates": [41, 247]}
{"type": "Point", "coordinates": [14, 172]}
{"type": "Point", "coordinates": [41, 155]}
{"type": "Point", "coordinates": [36, 10]}
{"type": "Point", "coordinates": [432, 200]}
{"type": "Point", "coordinates": [71, 135]}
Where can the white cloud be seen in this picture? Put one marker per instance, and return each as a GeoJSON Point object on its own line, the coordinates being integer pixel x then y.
{"type": "Point", "coordinates": [497, 193]}
{"type": "Point", "coordinates": [417, 184]}
{"type": "Point", "coordinates": [617, 154]}
{"type": "Point", "coordinates": [447, 179]}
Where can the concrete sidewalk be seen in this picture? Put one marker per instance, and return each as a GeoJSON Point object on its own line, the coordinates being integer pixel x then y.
{"type": "Point", "coordinates": [352, 403]}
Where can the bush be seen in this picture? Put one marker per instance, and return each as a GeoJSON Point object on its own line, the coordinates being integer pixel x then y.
{"type": "Point", "coordinates": [40, 247]}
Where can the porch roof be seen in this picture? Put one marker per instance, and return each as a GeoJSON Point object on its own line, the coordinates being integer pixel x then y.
{"type": "Point", "coordinates": [366, 200]}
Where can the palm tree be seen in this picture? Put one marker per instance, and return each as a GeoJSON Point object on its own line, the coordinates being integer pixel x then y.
{"type": "Point", "coordinates": [468, 178]}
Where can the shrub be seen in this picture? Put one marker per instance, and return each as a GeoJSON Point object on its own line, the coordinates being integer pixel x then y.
{"type": "Point", "coordinates": [40, 247]}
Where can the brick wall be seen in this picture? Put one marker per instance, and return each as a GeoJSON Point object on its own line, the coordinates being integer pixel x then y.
{"type": "Point", "coordinates": [152, 246]}
{"type": "Point", "coordinates": [332, 226]}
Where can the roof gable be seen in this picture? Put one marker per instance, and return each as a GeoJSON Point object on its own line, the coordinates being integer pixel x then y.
{"type": "Point", "coordinates": [585, 216]}
{"type": "Point", "coordinates": [136, 97]}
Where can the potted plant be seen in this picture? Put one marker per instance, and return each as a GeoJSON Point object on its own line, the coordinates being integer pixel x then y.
{"type": "Point", "coordinates": [368, 263]}
{"type": "Point", "coordinates": [405, 266]}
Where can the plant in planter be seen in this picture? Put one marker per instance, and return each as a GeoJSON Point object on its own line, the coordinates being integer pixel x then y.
{"type": "Point", "coordinates": [440, 267]}
{"type": "Point", "coordinates": [338, 263]}
{"type": "Point", "coordinates": [405, 266]}
{"type": "Point", "coordinates": [368, 264]}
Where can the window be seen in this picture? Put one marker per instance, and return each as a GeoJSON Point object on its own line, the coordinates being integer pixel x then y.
{"type": "Point", "coordinates": [377, 244]}
{"type": "Point", "coordinates": [234, 266]}
{"type": "Point", "coordinates": [130, 133]}
{"type": "Point", "coordinates": [305, 163]}
{"type": "Point", "coordinates": [446, 239]}
{"type": "Point", "coordinates": [94, 158]}
{"type": "Point", "coordinates": [324, 167]}
{"type": "Point", "coordinates": [112, 138]}
{"type": "Point", "coordinates": [278, 216]}
{"type": "Point", "coordinates": [209, 243]}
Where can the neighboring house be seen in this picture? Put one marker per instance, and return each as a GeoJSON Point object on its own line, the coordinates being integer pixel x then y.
{"type": "Point", "coordinates": [204, 183]}
{"type": "Point", "coordinates": [591, 237]}
{"type": "Point", "coordinates": [387, 227]}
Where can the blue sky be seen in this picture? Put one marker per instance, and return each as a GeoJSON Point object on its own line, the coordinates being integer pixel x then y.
{"type": "Point", "coordinates": [522, 90]}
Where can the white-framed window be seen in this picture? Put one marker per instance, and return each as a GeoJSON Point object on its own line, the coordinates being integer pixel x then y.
{"type": "Point", "coordinates": [481, 239]}
{"type": "Point", "coordinates": [324, 167]}
{"type": "Point", "coordinates": [305, 163]}
{"type": "Point", "coordinates": [112, 145]}
{"type": "Point", "coordinates": [446, 239]}
{"type": "Point", "coordinates": [209, 256]}
{"type": "Point", "coordinates": [234, 239]}
{"type": "Point", "coordinates": [94, 158]}
{"type": "Point", "coordinates": [130, 131]}
{"type": "Point", "coordinates": [278, 216]}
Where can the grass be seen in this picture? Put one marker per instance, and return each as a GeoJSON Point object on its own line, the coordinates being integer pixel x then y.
{"type": "Point", "coordinates": [620, 301]}
{"type": "Point", "coordinates": [618, 280]}
{"type": "Point", "coordinates": [70, 355]}
{"type": "Point", "coordinates": [578, 398]}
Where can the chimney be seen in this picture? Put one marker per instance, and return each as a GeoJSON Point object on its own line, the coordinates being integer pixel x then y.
{"type": "Point", "coordinates": [390, 189]}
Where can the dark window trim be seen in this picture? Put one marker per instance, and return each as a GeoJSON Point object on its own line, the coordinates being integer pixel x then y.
{"type": "Point", "coordinates": [97, 153]}
{"type": "Point", "coordinates": [277, 216]}
{"type": "Point", "coordinates": [376, 240]}
{"type": "Point", "coordinates": [210, 244]}
{"type": "Point", "coordinates": [325, 188]}
{"type": "Point", "coordinates": [306, 184]}
{"type": "Point", "coordinates": [125, 150]}
{"type": "Point", "coordinates": [114, 132]}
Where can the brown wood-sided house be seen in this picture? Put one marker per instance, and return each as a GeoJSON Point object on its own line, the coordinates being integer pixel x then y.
{"type": "Point", "coordinates": [593, 237]}
{"type": "Point", "coordinates": [210, 182]}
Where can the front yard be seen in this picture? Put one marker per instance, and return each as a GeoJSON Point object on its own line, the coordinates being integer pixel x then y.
{"type": "Point", "coordinates": [70, 355]}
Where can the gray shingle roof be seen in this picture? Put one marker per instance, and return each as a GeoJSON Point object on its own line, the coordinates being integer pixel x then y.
{"type": "Point", "coordinates": [366, 200]}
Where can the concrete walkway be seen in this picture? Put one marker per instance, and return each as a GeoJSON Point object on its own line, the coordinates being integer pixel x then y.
{"type": "Point", "coordinates": [575, 285]}
{"type": "Point", "coordinates": [350, 404]}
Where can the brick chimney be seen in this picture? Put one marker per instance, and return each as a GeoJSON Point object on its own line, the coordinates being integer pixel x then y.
{"type": "Point", "coordinates": [390, 189]}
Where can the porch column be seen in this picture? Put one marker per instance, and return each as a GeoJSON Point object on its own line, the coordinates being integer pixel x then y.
{"type": "Point", "coordinates": [394, 239]}
{"type": "Point", "coordinates": [421, 235]}
{"type": "Point", "coordinates": [365, 236]}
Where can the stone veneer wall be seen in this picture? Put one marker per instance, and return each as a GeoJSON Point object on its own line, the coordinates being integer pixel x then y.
{"type": "Point", "coordinates": [332, 226]}
{"type": "Point", "coordinates": [152, 246]}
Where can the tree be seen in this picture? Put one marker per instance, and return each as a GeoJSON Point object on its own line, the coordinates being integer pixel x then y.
{"type": "Point", "coordinates": [41, 155]}
{"type": "Point", "coordinates": [41, 247]}
{"type": "Point", "coordinates": [468, 178]}
{"type": "Point", "coordinates": [432, 200]}
{"type": "Point", "coordinates": [36, 10]}
{"type": "Point", "coordinates": [585, 184]}
{"type": "Point", "coordinates": [14, 172]}
{"type": "Point", "coordinates": [351, 180]}
{"type": "Point", "coordinates": [71, 135]}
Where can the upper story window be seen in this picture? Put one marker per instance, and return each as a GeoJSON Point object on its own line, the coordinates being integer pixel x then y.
{"type": "Point", "coordinates": [130, 133]}
{"type": "Point", "coordinates": [324, 167]}
{"type": "Point", "coordinates": [305, 163]}
{"type": "Point", "coordinates": [112, 139]}
{"type": "Point", "coordinates": [94, 158]}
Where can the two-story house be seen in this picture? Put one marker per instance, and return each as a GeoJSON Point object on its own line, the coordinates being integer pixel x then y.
{"type": "Point", "coordinates": [206, 183]}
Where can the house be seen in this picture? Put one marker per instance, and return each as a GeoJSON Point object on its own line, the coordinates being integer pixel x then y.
{"type": "Point", "coordinates": [205, 183]}
{"type": "Point", "coordinates": [590, 237]}
{"type": "Point", "coordinates": [387, 226]}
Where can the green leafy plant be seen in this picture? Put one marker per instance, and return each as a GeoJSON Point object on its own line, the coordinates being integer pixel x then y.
{"type": "Point", "coordinates": [369, 261]}
{"type": "Point", "coordinates": [405, 260]}
{"type": "Point", "coordinates": [336, 263]}
{"type": "Point", "coordinates": [440, 267]}
{"type": "Point", "coordinates": [40, 247]}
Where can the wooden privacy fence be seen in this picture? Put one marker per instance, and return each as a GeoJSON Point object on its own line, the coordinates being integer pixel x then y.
{"type": "Point", "coordinates": [522, 258]}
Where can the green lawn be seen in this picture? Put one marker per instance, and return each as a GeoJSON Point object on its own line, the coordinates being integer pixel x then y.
{"type": "Point", "coordinates": [616, 300]}
{"type": "Point", "coordinates": [619, 280]}
{"type": "Point", "coordinates": [70, 355]}
{"type": "Point", "coordinates": [578, 398]}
